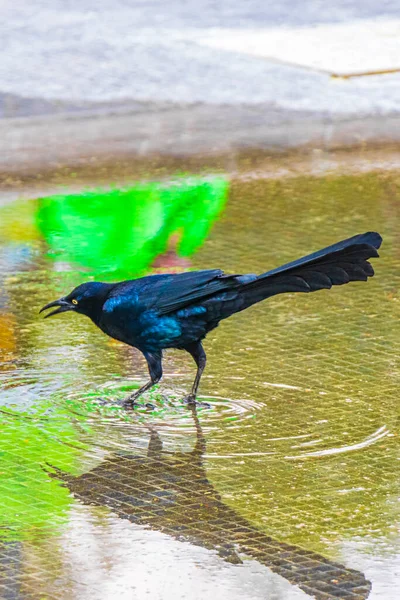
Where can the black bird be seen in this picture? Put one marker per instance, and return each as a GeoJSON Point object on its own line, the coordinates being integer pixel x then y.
{"type": "Point", "coordinates": [178, 310]}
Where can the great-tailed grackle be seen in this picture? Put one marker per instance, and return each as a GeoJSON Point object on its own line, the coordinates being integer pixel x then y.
{"type": "Point", "coordinates": [178, 310]}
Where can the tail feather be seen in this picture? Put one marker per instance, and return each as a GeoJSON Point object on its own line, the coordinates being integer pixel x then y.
{"type": "Point", "coordinates": [335, 265]}
{"type": "Point", "coordinates": [338, 264]}
{"type": "Point", "coordinates": [364, 245]}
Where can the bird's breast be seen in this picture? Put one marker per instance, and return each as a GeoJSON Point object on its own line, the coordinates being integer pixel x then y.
{"type": "Point", "coordinates": [146, 331]}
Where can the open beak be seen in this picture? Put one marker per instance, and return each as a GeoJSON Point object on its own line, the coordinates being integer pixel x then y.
{"type": "Point", "coordinates": [63, 306]}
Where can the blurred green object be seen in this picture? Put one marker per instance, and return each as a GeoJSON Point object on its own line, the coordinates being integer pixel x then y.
{"type": "Point", "coordinates": [31, 501]}
{"type": "Point", "coordinates": [120, 232]}
{"type": "Point", "coordinates": [34, 443]}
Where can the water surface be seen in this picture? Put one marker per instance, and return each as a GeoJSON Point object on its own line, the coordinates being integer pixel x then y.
{"type": "Point", "coordinates": [290, 474]}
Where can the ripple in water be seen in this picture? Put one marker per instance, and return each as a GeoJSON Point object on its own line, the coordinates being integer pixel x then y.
{"type": "Point", "coordinates": [102, 422]}
{"type": "Point", "coordinates": [167, 410]}
{"type": "Point", "coordinates": [377, 435]}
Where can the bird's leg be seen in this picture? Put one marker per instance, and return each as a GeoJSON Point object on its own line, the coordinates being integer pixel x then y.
{"type": "Point", "coordinates": [154, 362]}
{"type": "Point", "coordinates": [130, 401]}
{"type": "Point", "coordinates": [197, 351]}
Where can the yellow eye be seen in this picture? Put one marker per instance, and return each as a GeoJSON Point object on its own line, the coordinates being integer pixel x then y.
{"type": "Point", "coordinates": [74, 301]}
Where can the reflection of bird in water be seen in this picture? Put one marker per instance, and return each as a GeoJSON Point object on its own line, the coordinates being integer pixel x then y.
{"type": "Point", "coordinates": [170, 492]}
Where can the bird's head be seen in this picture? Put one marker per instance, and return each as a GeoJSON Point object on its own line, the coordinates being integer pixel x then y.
{"type": "Point", "coordinates": [86, 299]}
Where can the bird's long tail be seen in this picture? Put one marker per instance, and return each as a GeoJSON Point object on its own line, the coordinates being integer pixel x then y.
{"type": "Point", "coordinates": [338, 264]}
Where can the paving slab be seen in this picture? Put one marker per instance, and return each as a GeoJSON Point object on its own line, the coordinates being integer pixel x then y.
{"type": "Point", "coordinates": [148, 78]}
{"type": "Point", "coordinates": [358, 48]}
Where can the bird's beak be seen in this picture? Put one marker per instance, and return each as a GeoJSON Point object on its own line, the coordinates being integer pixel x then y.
{"type": "Point", "coordinates": [63, 306]}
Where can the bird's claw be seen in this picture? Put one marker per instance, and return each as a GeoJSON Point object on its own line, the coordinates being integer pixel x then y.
{"type": "Point", "coordinates": [129, 403]}
{"type": "Point", "coordinates": [101, 401]}
{"type": "Point", "coordinates": [190, 401]}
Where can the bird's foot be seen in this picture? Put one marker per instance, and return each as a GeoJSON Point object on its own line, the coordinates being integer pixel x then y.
{"type": "Point", "coordinates": [129, 403]}
{"type": "Point", "coordinates": [101, 401]}
{"type": "Point", "coordinates": [190, 401]}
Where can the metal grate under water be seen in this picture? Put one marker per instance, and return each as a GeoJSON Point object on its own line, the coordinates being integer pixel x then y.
{"type": "Point", "coordinates": [286, 487]}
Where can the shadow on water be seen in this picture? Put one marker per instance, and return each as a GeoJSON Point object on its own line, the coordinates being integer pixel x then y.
{"type": "Point", "coordinates": [170, 492]}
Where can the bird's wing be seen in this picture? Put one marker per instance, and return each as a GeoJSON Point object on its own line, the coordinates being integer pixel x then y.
{"type": "Point", "coordinates": [168, 292]}
{"type": "Point", "coordinates": [183, 289]}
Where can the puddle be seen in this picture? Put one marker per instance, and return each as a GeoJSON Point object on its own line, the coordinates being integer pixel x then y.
{"type": "Point", "coordinates": [292, 473]}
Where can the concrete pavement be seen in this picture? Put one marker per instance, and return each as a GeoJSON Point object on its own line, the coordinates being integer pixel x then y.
{"type": "Point", "coordinates": [111, 77]}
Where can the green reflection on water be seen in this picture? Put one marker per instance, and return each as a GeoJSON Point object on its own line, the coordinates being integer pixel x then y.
{"type": "Point", "coordinates": [30, 500]}
{"type": "Point", "coordinates": [322, 368]}
{"type": "Point", "coordinates": [52, 434]}
{"type": "Point", "coordinates": [120, 233]}
{"type": "Point", "coordinates": [114, 233]}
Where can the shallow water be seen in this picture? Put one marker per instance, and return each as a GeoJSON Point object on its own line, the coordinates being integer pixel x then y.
{"type": "Point", "coordinates": [299, 449]}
